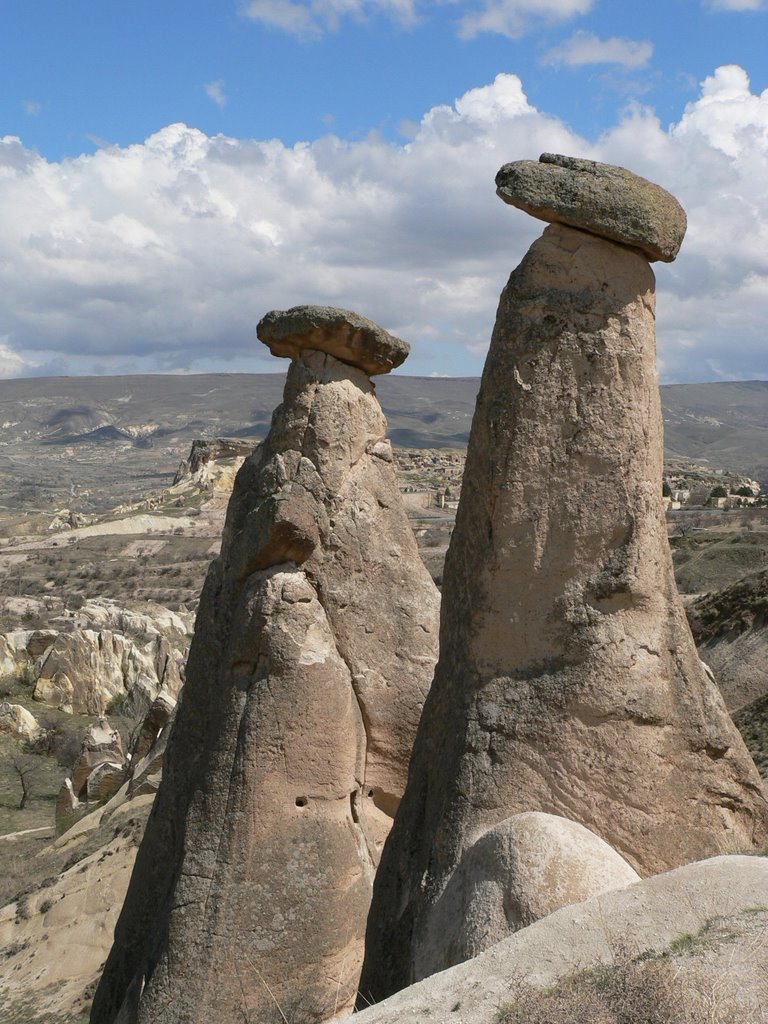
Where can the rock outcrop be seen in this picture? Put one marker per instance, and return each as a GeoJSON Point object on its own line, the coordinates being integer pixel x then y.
{"type": "Point", "coordinates": [568, 681]}
{"type": "Point", "coordinates": [83, 671]}
{"type": "Point", "coordinates": [313, 651]}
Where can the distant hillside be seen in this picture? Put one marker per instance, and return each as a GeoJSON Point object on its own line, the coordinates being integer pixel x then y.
{"type": "Point", "coordinates": [725, 424]}
{"type": "Point", "coordinates": [122, 436]}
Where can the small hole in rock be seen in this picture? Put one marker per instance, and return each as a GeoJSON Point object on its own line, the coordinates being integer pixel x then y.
{"type": "Point", "coordinates": [370, 792]}
{"type": "Point", "coordinates": [301, 801]}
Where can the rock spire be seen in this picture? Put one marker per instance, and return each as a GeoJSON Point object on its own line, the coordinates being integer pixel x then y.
{"type": "Point", "coordinates": [314, 648]}
{"type": "Point", "coordinates": [568, 682]}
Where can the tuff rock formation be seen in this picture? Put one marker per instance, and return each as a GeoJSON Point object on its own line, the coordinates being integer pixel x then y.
{"type": "Point", "coordinates": [83, 671]}
{"type": "Point", "coordinates": [314, 647]}
{"type": "Point", "coordinates": [568, 681]}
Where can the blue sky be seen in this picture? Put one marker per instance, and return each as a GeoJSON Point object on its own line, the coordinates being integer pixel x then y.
{"type": "Point", "coordinates": [169, 172]}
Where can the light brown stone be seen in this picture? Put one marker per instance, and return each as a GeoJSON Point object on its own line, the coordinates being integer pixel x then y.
{"type": "Point", "coordinates": [313, 651]}
{"type": "Point", "coordinates": [568, 681]}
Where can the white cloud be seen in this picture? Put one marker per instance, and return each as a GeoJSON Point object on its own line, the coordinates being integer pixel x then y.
{"type": "Point", "coordinates": [511, 18]}
{"type": "Point", "coordinates": [31, 107]}
{"type": "Point", "coordinates": [736, 5]}
{"type": "Point", "coordinates": [586, 48]}
{"type": "Point", "coordinates": [312, 17]}
{"type": "Point", "coordinates": [514, 18]}
{"type": "Point", "coordinates": [164, 255]}
{"type": "Point", "coordinates": [215, 92]}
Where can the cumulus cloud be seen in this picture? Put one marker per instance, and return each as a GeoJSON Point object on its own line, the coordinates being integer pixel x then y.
{"type": "Point", "coordinates": [164, 255]}
{"type": "Point", "coordinates": [586, 48]}
{"type": "Point", "coordinates": [215, 92]}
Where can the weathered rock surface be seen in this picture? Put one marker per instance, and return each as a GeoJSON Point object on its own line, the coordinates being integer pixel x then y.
{"type": "Point", "coordinates": [517, 872]}
{"type": "Point", "coordinates": [21, 648]}
{"type": "Point", "coordinates": [568, 681]}
{"type": "Point", "coordinates": [606, 200]}
{"type": "Point", "coordinates": [341, 333]}
{"type": "Point", "coordinates": [82, 671]}
{"type": "Point", "coordinates": [647, 916]}
{"type": "Point", "coordinates": [314, 648]}
{"type": "Point", "coordinates": [19, 722]}
{"type": "Point", "coordinates": [101, 744]}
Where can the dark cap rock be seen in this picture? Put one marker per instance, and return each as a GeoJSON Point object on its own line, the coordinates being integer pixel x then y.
{"type": "Point", "coordinates": [339, 332]}
{"type": "Point", "coordinates": [606, 200]}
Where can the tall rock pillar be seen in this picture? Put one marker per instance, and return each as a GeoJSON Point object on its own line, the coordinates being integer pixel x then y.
{"type": "Point", "coordinates": [314, 648]}
{"type": "Point", "coordinates": [568, 681]}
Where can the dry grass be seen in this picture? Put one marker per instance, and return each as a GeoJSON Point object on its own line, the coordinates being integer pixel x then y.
{"type": "Point", "coordinates": [636, 990]}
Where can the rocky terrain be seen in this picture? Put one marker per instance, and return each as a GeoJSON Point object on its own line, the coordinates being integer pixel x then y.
{"type": "Point", "coordinates": [315, 647]}
{"type": "Point", "coordinates": [141, 576]}
{"type": "Point", "coordinates": [90, 443]}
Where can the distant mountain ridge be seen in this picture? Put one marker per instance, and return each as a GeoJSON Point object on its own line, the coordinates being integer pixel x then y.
{"type": "Point", "coordinates": [56, 432]}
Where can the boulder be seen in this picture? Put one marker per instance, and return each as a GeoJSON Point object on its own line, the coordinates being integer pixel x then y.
{"type": "Point", "coordinates": [313, 651]}
{"type": "Point", "coordinates": [19, 722]}
{"type": "Point", "coordinates": [517, 872]}
{"type": "Point", "coordinates": [606, 200]}
{"type": "Point", "coordinates": [568, 681]}
{"type": "Point", "coordinates": [339, 332]}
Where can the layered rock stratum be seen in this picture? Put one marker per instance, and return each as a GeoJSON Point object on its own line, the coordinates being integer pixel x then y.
{"type": "Point", "coordinates": [568, 681]}
{"type": "Point", "coordinates": [313, 652]}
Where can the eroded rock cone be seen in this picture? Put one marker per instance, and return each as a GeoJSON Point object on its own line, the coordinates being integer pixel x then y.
{"type": "Point", "coordinates": [568, 681]}
{"type": "Point", "coordinates": [313, 651]}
